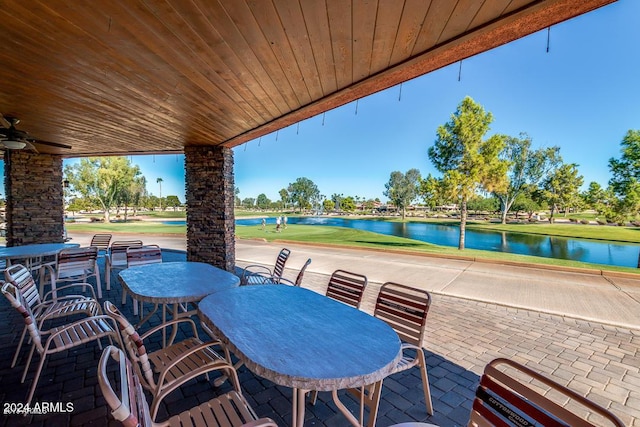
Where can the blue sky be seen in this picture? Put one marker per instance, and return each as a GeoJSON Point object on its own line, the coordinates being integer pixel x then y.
{"type": "Point", "coordinates": [583, 95]}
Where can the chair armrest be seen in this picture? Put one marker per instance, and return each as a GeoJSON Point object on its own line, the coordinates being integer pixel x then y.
{"type": "Point", "coordinates": [83, 285]}
{"type": "Point", "coordinates": [172, 322]}
{"type": "Point", "coordinates": [42, 307]}
{"type": "Point", "coordinates": [256, 270]}
{"type": "Point", "coordinates": [262, 422]}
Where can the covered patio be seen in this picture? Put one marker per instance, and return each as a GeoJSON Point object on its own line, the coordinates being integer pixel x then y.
{"type": "Point", "coordinates": [596, 359]}
{"type": "Point", "coordinates": [200, 78]}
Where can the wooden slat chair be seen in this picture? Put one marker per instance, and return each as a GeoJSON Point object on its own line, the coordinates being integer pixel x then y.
{"type": "Point", "coordinates": [130, 407]}
{"type": "Point", "coordinates": [73, 265]}
{"type": "Point", "coordinates": [257, 274]}
{"type": "Point", "coordinates": [298, 281]}
{"type": "Point", "coordinates": [510, 394]}
{"type": "Point", "coordinates": [347, 287]}
{"type": "Point", "coordinates": [141, 255]}
{"type": "Point", "coordinates": [165, 370]}
{"type": "Point", "coordinates": [46, 308]}
{"type": "Point", "coordinates": [60, 338]}
{"type": "Point", "coordinates": [405, 309]}
{"type": "Point", "coordinates": [116, 257]}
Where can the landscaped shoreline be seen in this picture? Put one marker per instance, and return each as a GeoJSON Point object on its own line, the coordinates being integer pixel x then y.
{"type": "Point", "coordinates": [356, 238]}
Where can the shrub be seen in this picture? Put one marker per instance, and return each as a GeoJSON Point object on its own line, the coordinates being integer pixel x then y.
{"type": "Point", "coordinates": [584, 221]}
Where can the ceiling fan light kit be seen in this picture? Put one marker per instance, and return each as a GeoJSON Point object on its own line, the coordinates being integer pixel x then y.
{"type": "Point", "coordinates": [14, 139]}
{"type": "Point", "coordinates": [13, 145]}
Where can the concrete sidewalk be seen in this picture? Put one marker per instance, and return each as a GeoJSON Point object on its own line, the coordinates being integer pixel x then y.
{"type": "Point", "coordinates": [610, 299]}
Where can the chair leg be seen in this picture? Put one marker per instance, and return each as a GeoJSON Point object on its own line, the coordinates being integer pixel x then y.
{"type": "Point", "coordinates": [422, 363]}
{"type": "Point", "coordinates": [43, 358]}
{"type": "Point", "coordinates": [15, 356]}
{"type": "Point", "coordinates": [98, 283]}
{"type": "Point", "coordinates": [107, 276]}
{"type": "Point", "coordinates": [26, 366]}
{"type": "Point", "coordinates": [124, 297]}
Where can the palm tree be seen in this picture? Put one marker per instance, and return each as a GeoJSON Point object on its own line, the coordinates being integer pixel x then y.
{"type": "Point", "coordinates": [159, 181]}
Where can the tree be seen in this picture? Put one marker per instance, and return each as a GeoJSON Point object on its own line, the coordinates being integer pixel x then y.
{"type": "Point", "coordinates": [402, 189]}
{"type": "Point", "coordinates": [172, 202]}
{"type": "Point", "coordinates": [303, 192]}
{"type": "Point", "coordinates": [348, 204]}
{"type": "Point", "coordinates": [248, 202]}
{"type": "Point", "coordinates": [262, 201]}
{"type": "Point", "coordinates": [236, 198]}
{"type": "Point", "coordinates": [328, 205]}
{"type": "Point", "coordinates": [595, 197]}
{"type": "Point", "coordinates": [467, 162]}
{"type": "Point", "coordinates": [560, 189]}
{"type": "Point", "coordinates": [432, 191]}
{"type": "Point", "coordinates": [625, 181]}
{"type": "Point", "coordinates": [337, 201]}
{"type": "Point", "coordinates": [159, 181]}
{"type": "Point", "coordinates": [102, 179]}
{"type": "Point", "coordinates": [526, 167]}
{"type": "Point", "coordinates": [284, 197]}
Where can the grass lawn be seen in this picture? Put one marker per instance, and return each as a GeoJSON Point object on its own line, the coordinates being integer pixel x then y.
{"type": "Point", "coordinates": [359, 238]}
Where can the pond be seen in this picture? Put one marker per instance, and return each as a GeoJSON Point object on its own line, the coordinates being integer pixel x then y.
{"type": "Point", "coordinates": [591, 251]}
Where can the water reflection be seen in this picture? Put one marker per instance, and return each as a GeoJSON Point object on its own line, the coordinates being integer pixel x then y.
{"type": "Point", "coordinates": [596, 252]}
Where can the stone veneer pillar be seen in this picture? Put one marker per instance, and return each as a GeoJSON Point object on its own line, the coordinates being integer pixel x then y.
{"type": "Point", "coordinates": [34, 196]}
{"type": "Point", "coordinates": [210, 199]}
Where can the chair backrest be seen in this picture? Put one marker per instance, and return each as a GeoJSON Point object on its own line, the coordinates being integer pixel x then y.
{"type": "Point", "coordinates": [506, 396]}
{"type": "Point", "coordinates": [20, 276]}
{"type": "Point", "coordinates": [148, 254]}
{"type": "Point", "coordinates": [347, 287]}
{"type": "Point", "coordinates": [101, 241]}
{"type": "Point", "coordinates": [76, 261]}
{"type": "Point", "coordinates": [16, 299]}
{"type": "Point", "coordinates": [405, 309]}
{"type": "Point", "coordinates": [118, 251]}
{"type": "Point", "coordinates": [130, 406]}
{"type": "Point", "coordinates": [134, 345]}
{"type": "Point", "coordinates": [298, 281]}
{"type": "Point", "coordinates": [278, 269]}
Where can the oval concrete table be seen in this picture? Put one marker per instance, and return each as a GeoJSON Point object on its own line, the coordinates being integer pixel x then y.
{"type": "Point", "coordinates": [175, 283]}
{"type": "Point", "coordinates": [300, 339]}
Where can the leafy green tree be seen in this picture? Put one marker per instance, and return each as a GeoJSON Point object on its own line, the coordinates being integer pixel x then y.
{"type": "Point", "coordinates": [102, 179]}
{"type": "Point", "coordinates": [262, 201]}
{"type": "Point", "coordinates": [303, 192]}
{"type": "Point", "coordinates": [483, 204]}
{"type": "Point", "coordinates": [348, 204]}
{"type": "Point", "coordinates": [402, 189]}
{"type": "Point", "coordinates": [432, 191]}
{"type": "Point", "coordinates": [328, 205]}
{"type": "Point", "coordinates": [526, 202]}
{"type": "Point", "coordinates": [337, 201]}
{"type": "Point", "coordinates": [595, 197]}
{"type": "Point", "coordinates": [625, 182]}
{"type": "Point", "coordinates": [172, 202]}
{"type": "Point", "coordinates": [526, 167]}
{"type": "Point", "coordinates": [468, 163]}
{"type": "Point", "coordinates": [561, 188]}
{"type": "Point", "coordinates": [248, 202]}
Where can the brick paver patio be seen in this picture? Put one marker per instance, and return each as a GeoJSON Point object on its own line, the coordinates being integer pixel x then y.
{"type": "Point", "coordinates": [596, 360]}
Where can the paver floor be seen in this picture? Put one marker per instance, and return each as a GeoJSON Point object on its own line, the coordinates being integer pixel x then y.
{"type": "Point", "coordinates": [595, 359]}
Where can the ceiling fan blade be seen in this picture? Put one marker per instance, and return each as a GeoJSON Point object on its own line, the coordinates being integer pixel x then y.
{"type": "Point", "coordinates": [51, 144]}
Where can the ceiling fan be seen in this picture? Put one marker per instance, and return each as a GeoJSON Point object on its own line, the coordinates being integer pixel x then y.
{"type": "Point", "coordinates": [14, 139]}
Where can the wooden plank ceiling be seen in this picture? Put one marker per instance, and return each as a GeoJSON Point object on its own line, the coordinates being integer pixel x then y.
{"type": "Point", "coordinates": [152, 76]}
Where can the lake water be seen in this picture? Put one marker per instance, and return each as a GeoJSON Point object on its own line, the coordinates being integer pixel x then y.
{"type": "Point", "coordinates": [591, 251]}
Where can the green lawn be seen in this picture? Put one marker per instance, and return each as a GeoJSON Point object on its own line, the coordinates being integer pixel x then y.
{"type": "Point", "coordinates": [358, 238]}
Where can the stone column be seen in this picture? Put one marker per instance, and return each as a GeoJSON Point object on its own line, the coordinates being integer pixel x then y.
{"type": "Point", "coordinates": [34, 195]}
{"type": "Point", "coordinates": [210, 198]}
